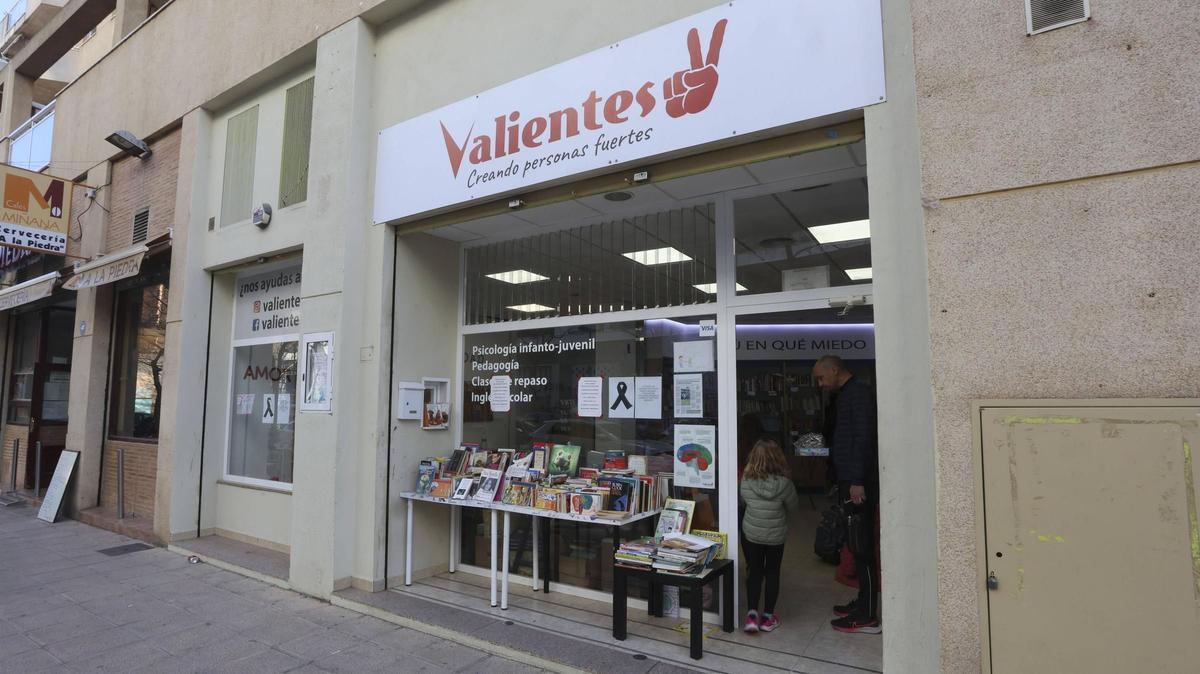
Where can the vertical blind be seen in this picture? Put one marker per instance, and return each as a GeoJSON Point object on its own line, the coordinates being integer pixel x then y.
{"type": "Point", "coordinates": [638, 262]}
{"type": "Point", "coordinates": [297, 133]}
{"type": "Point", "coordinates": [238, 183]}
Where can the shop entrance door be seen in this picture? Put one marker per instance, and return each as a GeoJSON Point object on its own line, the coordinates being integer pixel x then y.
{"type": "Point", "coordinates": [771, 395]}
{"type": "Point", "coordinates": [47, 381]}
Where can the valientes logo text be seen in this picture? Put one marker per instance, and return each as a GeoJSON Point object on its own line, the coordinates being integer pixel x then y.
{"type": "Point", "coordinates": [686, 92]}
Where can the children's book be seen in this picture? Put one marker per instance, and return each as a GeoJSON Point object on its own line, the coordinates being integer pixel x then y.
{"type": "Point", "coordinates": [687, 506]}
{"type": "Point", "coordinates": [594, 459]}
{"type": "Point", "coordinates": [442, 487]}
{"type": "Point", "coordinates": [546, 499]}
{"type": "Point", "coordinates": [519, 493]}
{"type": "Point", "coordinates": [671, 521]}
{"type": "Point", "coordinates": [564, 460]}
{"type": "Point", "coordinates": [585, 503]}
{"type": "Point", "coordinates": [426, 474]}
{"type": "Point", "coordinates": [489, 484]}
{"type": "Point", "coordinates": [719, 537]}
{"type": "Point", "coordinates": [541, 450]}
{"type": "Point", "coordinates": [615, 460]}
{"type": "Point", "coordinates": [638, 464]}
{"type": "Point", "coordinates": [588, 473]}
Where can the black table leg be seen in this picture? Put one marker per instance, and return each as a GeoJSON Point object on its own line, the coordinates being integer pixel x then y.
{"type": "Point", "coordinates": [697, 622]}
{"type": "Point", "coordinates": [655, 597]}
{"type": "Point", "coordinates": [620, 603]}
{"type": "Point", "coordinates": [545, 551]}
{"type": "Point", "coordinates": [728, 609]}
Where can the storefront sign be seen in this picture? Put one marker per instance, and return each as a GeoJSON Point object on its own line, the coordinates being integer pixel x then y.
{"type": "Point", "coordinates": [267, 303]}
{"type": "Point", "coordinates": [114, 267]}
{"type": "Point", "coordinates": [36, 210]}
{"type": "Point", "coordinates": [853, 341]}
{"type": "Point", "coordinates": [738, 69]}
{"type": "Point", "coordinates": [29, 291]}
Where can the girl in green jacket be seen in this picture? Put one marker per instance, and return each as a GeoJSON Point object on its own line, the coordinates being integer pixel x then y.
{"type": "Point", "coordinates": [770, 497]}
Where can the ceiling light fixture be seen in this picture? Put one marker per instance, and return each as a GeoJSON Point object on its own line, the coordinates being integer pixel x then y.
{"type": "Point", "coordinates": [711, 288]}
{"type": "Point", "coordinates": [842, 231]}
{"type": "Point", "coordinates": [860, 274]}
{"type": "Point", "coordinates": [655, 256]}
{"type": "Point", "coordinates": [531, 308]}
{"type": "Point", "coordinates": [517, 276]}
{"type": "Point", "coordinates": [618, 196]}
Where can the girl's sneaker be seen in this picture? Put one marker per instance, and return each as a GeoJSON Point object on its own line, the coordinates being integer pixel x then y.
{"type": "Point", "coordinates": [751, 623]}
{"type": "Point", "coordinates": [769, 622]}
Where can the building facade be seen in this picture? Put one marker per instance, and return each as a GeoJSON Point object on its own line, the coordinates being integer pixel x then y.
{"type": "Point", "coordinates": [1019, 189]}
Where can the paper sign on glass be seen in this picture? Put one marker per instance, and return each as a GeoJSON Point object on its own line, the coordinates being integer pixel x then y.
{"type": "Point", "coordinates": [689, 396]}
{"type": "Point", "coordinates": [621, 397]}
{"type": "Point", "coordinates": [694, 356]}
{"type": "Point", "coordinates": [269, 414]}
{"type": "Point", "coordinates": [648, 393]}
{"type": "Point", "coordinates": [283, 410]}
{"type": "Point", "coordinates": [245, 403]}
{"type": "Point", "coordinates": [696, 456]}
{"type": "Point", "coordinates": [501, 393]}
{"type": "Point", "coordinates": [591, 396]}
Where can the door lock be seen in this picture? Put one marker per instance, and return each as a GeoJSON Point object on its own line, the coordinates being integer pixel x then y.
{"type": "Point", "coordinates": [993, 583]}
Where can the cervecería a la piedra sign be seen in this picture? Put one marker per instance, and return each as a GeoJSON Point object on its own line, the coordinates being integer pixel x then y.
{"type": "Point", "coordinates": [35, 212]}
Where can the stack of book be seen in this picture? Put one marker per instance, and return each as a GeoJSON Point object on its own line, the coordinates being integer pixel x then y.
{"type": "Point", "coordinates": [637, 554]}
{"type": "Point", "coordinates": [683, 554]}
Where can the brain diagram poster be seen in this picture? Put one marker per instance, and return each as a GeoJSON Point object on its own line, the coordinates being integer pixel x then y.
{"type": "Point", "coordinates": [696, 456]}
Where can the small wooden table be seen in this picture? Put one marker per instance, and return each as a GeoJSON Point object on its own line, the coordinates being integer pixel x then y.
{"type": "Point", "coordinates": [721, 568]}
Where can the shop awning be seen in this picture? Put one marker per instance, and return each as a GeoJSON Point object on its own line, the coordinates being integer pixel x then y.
{"type": "Point", "coordinates": [29, 291]}
{"type": "Point", "coordinates": [112, 267]}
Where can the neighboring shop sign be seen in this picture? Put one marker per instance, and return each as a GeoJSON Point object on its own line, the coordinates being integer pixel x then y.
{"type": "Point", "coordinates": [107, 269]}
{"type": "Point", "coordinates": [805, 342]}
{"type": "Point", "coordinates": [267, 303]}
{"type": "Point", "coordinates": [35, 211]}
{"type": "Point", "coordinates": [29, 291]}
{"type": "Point", "coordinates": [737, 69]}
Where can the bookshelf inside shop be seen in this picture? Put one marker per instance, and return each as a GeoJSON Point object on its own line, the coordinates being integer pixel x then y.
{"type": "Point", "coordinates": [780, 399]}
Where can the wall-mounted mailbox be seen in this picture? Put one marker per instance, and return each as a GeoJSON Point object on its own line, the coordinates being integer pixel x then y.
{"type": "Point", "coordinates": [410, 399]}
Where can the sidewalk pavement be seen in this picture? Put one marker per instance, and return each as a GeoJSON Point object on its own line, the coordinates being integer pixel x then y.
{"type": "Point", "coordinates": [66, 605]}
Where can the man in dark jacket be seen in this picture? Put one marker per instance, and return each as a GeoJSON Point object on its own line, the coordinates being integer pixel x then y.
{"type": "Point", "coordinates": [854, 451]}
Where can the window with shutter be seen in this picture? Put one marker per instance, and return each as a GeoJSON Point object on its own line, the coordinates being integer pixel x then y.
{"type": "Point", "coordinates": [238, 183]}
{"type": "Point", "coordinates": [297, 132]}
{"type": "Point", "coordinates": [141, 225]}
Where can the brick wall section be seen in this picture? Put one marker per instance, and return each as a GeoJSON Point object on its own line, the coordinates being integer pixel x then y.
{"type": "Point", "coordinates": [138, 183]}
{"type": "Point", "coordinates": [22, 433]}
{"type": "Point", "coordinates": [141, 465]}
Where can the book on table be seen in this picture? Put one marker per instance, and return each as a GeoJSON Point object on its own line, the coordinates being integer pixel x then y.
{"type": "Point", "coordinates": [489, 485]}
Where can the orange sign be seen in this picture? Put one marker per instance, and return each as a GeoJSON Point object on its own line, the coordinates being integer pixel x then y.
{"type": "Point", "coordinates": [35, 212]}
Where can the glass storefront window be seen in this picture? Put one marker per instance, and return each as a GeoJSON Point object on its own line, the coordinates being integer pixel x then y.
{"type": "Point", "coordinates": [545, 366]}
{"type": "Point", "coordinates": [813, 237]}
{"type": "Point", "coordinates": [141, 336]}
{"type": "Point", "coordinates": [25, 344]}
{"type": "Point", "coordinates": [262, 421]}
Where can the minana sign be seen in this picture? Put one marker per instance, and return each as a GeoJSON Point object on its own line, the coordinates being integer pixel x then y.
{"type": "Point", "coordinates": [741, 68]}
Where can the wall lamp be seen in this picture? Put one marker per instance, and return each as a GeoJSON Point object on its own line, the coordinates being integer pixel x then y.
{"type": "Point", "coordinates": [129, 144]}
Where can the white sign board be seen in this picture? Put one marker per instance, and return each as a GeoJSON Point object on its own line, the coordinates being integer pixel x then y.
{"type": "Point", "coordinates": [741, 68]}
{"type": "Point", "coordinates": [695, 456]}
{"type": "Point", "coordinates": [267, 303]}
{"type": "Point", "coordinates": [591, 396]}
{"type": "Point", "coordinates": [52, 503]}
{"type": "Point", "coordinates": [99, 272]}
{"type": "Point", "coordinates": [853, 341]}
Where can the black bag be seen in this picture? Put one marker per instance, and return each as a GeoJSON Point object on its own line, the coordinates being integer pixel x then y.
{"type": "Point", "coordinates": [831, 536]}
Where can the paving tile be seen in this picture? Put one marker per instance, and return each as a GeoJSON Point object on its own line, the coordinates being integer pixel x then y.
{"type": "Point", "coordinates": [366, 627]}
{"type": "Point", "coordinates": [368, 657]}
{"type": "Point", "coordinates": [203, 634]}
{"type": "Point", "coordinates": [276, 627]}
{"type": "Point", "coordinates": [36, 660]}
{"type": "Point", "coordinates": [15, 644]}
{"type": "Point", "coordinates": [268, 661]}
{"type": "Point", "coordinates": [327, 615]}
{"type": "Point", "coordinates": [132, 606]}
{"type": "Point", "coordinates": [126, 658]}
{"type": "Point", "coordinates": [17, 606]}
{"type": "Point", "coordinates": [451, 655]}
{"type": "Point", "coordinates": [217, 655]}
{"type": "Point", "coordinates": [70, 614]}
{"type": "Point", "coordinates": [321, 644]}
{"type": "Point", "coordinates": [162, 626]}
{"type": "Point", "coordinates": [79, 646]}
{"type": "Point", "coordinates": [405, 639]}
{"type": "Point", "coordinates": [498, 665]}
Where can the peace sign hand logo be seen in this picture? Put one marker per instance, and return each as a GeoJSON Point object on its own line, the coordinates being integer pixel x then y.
{"type": "Point", "coordinates": [690, 91]}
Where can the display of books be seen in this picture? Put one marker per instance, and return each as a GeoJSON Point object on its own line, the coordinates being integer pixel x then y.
{"type": "Point", "coordinates": [615, 459]}
{"type": "Point", "coordinates": [586, 503]}
{"type": "Point", "coordinates": [426, 474]}
{"type": "Point", "coordinates": [564, 459]}
{"type": "Point", "coordinates": [719, 537]}
{"type": "Point", "coordinates": [442, 487]}
{"type": "Point", "coordinates": [637, 554]}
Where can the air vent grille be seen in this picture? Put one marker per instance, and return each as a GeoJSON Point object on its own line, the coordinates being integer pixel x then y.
{"type": "Point", "coordinates": [141, 225]}
{"type": "Point", "coordinates": [1044, 15]}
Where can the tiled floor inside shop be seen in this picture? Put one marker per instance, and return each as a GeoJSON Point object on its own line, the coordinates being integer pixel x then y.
{"type": "Point", "coordinates": [804, 642]}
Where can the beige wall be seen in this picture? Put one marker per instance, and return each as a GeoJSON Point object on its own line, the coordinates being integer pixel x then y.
{"type": "Point", "coordinates": [1073, 290]}
{"type": "Point", "coordinates": [273, 514]}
